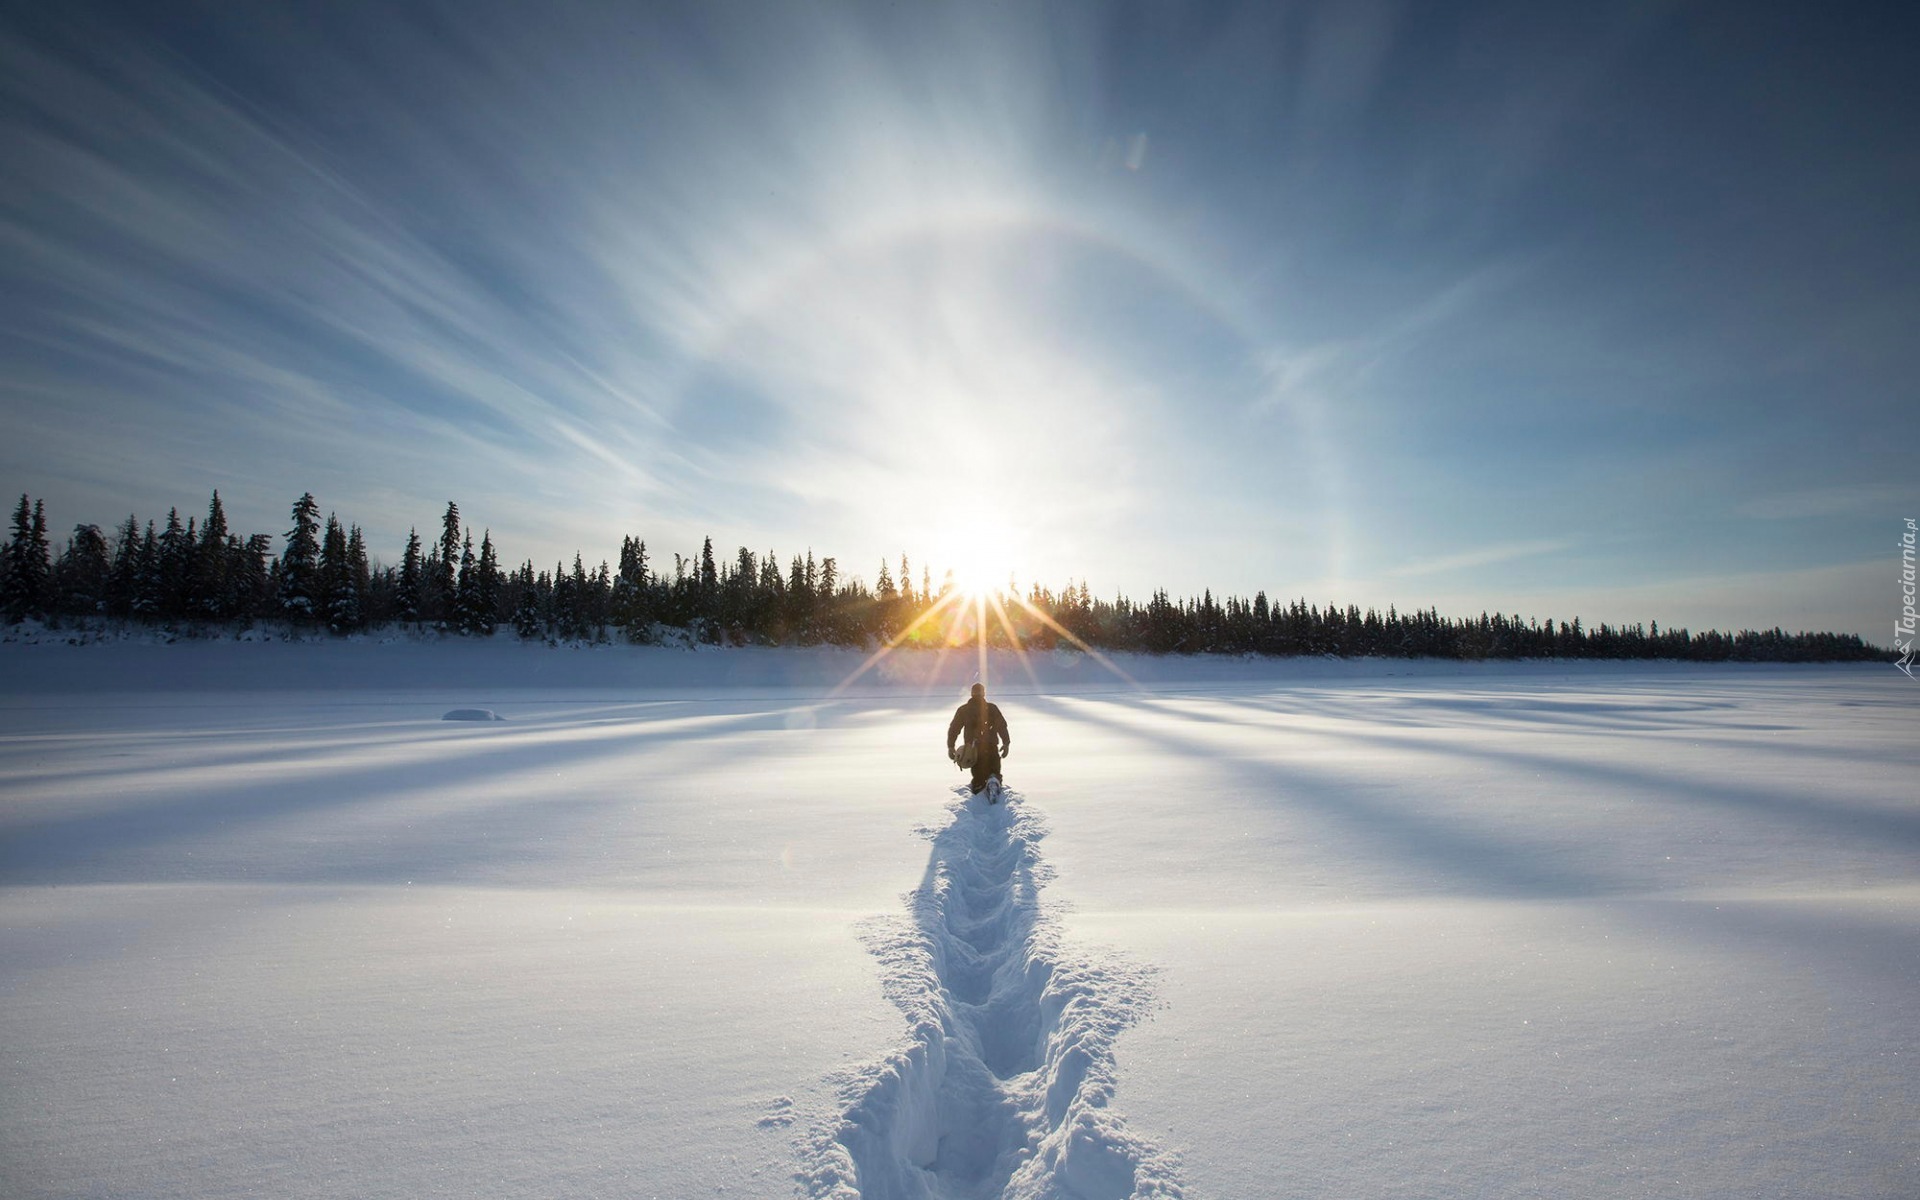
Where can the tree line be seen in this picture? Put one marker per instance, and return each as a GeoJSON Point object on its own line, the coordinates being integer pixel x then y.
{"type": "Point", "coordinates": [201, 572]}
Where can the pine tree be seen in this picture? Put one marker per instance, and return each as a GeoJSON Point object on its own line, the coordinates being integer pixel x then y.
{"type": "Point", "coordinates": [445, 582]}
{"type": "Point", "coordinates": [210, 591]}
{"type": "Point", "coordinates": [335, 578]}
{"type": "Point", "coordinates": [176, 565]}
{"type": "Point", "coordinates": [407, 595]}
{"type": "Point", "coordinates": [12, 598]}
{"type": "Point", "coordinates": [772, 622]}
{"type": "Point", "coordinates": [39, 568]}
{"type": "Point", "coordinates": [579, 616]}
{"type": "Point", "coordinates": [359, 574]}
{"type": "Point", "coordinates": [633, 562]}
{"type": "Point", "coordinates": [81, 576]}
{"type": "Point", "coordinates": [486, 590]}
{"type": "Point", "coordinates": [300, 594]}
{"type": "Point", "coordinates": [600, 592]}
{"type": "Point", "coordinates": [27, 574]}
{"type": "Point", "coordinates": [254, 572]}
{"type": "Point", "coordinates": [147, 582]}
{"type": "Point", "coordinates": [563, 603]}
{"type": "Point", "coordinates": [632, 610]}
{"type": "Point", "coordinates": [827, 604]}
{"type": "Point", "coordinates": [526, 611]}
{"type": "Point", "coordinates": [124, 581]}
{"type": "Point", "coordinates": [465, 614]}
{"type": "Point", "coordinates": [429, 582]}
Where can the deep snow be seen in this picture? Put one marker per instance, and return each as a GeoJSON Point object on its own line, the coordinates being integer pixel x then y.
{"type": "Point", "coordinates": [270, 926]}
{"type": "Point", "coordinates": [1005, 1085]}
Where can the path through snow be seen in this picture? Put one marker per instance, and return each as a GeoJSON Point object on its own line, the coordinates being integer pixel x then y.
{"type": "Point", "coordinates": [1004, 1086]}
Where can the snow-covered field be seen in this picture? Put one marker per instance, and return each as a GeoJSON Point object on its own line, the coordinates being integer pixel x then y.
{"type": "Point", "coordinates": [688, 924]}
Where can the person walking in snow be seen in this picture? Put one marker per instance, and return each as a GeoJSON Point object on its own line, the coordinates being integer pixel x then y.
{"type": "Point", "coordinates": [985, 741]}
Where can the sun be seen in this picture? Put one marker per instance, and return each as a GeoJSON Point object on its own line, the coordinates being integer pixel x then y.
{"type": "Point", "coordinates": [978, 605]}
{"type": "Point", "coordinates": [979, 568]}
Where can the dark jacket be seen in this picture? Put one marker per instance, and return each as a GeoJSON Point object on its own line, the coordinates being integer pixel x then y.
{"type": "Point", "coordinates": [967, 721]}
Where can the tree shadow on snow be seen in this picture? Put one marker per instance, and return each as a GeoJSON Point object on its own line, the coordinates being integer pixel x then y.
{"type": "Point", "coordinates": [133, 841]}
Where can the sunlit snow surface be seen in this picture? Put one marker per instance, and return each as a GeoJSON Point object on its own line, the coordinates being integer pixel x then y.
{"type": "Point", "coordinates": [684, 923]}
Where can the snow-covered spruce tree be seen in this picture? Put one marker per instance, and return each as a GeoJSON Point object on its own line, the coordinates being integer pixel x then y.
{"type": "Point", "coordinates": [334, 589]}
{"type": "Point", "coordinates": [486, 587]}
{"type": "Point", "coordinates": [561, 612]}
{"type": "Point", "coordinates": [886, 602]}
{"type": "Point", "coordinates": [465, 616]}
{"type": "Point", "coordinates": [176, 564]}
{"type": "Point", "coordinates": [25, 577]}
{"type": "Point", "coordinates": [407, 594]}
{"type": "Point", "coordinates": [443, 588]}
{"type": "Point", "coordinates": [632, 609]}
{"type": "Point", "coordinates": [773, 599]}
{"type": "Point", "coordinates": [827, 605]}
{"type": "Point", "coordinates": [209, 588]}
{"type": "Point", "coordinates": [80, 577]}
{"type": "Point", "coordinates": [736, 593]}
{"type": "Point", "coordinates": [300, 595]}
{"type": "Point", "coordinates": [578, 620]}
{"type": "Point", "coordinates": [39, 564]}
{"type": "Point", "coordinates": [707, 594]}
{"type": "Point", "coordinates": [359, 574]}
{"type": "Point", "coordinates": [147, 583]}
{"type": "Point", "coordinates": [799, 599]}
{"type": "Point", "coordinates": [429, 582]}
{"type": "Point", "coordinates": [600, 589]}
{"type": "Point", "coordinates": [526, 605]}
{"type": "Point", "coordinates": [253, 577]}
{"type": "Point", "coordinates": [22, 523]}
{"type": "Point", "coordinates": [123, 583]}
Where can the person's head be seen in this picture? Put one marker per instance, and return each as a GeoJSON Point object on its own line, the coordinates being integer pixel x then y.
{"type": "Point", "coordinates": [979, 691]}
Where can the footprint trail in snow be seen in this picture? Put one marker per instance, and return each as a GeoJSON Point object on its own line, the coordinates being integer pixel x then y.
{"type": "Point", "coordinates": [1003, 1088]}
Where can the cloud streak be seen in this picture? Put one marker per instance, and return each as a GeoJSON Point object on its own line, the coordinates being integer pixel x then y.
{"type": "Point", "coordinates": [1481, 557]}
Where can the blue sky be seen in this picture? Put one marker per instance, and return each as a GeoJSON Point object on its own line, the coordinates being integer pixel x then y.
{"type": "Point", "coordinates": [1556, 309]}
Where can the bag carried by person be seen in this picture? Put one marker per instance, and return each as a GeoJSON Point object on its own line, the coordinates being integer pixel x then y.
{"type": "Point", "coordinates": [982, 730]}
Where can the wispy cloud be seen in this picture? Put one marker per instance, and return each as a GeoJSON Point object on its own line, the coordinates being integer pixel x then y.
{"type": "Point", "coordinates": [1483, 556]}
{"type": "Point", "coordinates": [1337, 371]}
{"type": "Point", "coordinates": [1881, 499]}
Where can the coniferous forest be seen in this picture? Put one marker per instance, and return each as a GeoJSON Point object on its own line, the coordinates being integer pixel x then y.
{"type": "Point", "coordinates": [202, 575]}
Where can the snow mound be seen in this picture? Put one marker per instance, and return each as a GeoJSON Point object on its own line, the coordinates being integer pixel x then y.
{"type": "Point", "coordinates": [1004, 1086]}
{"type": "Point", "coordinates": [473, 714]}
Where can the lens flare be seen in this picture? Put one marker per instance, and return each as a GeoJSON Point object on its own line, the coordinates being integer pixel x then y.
{"type": "Point", "coordinates": [981, 609]}
{"type": "Point", "coordinates": [981, 579]}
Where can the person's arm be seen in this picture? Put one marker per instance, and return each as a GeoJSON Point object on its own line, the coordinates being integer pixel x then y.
{"type": "Point", "coordinates": [953, 729]}
{"type": "Point", "coordinates": [1000, 727]}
